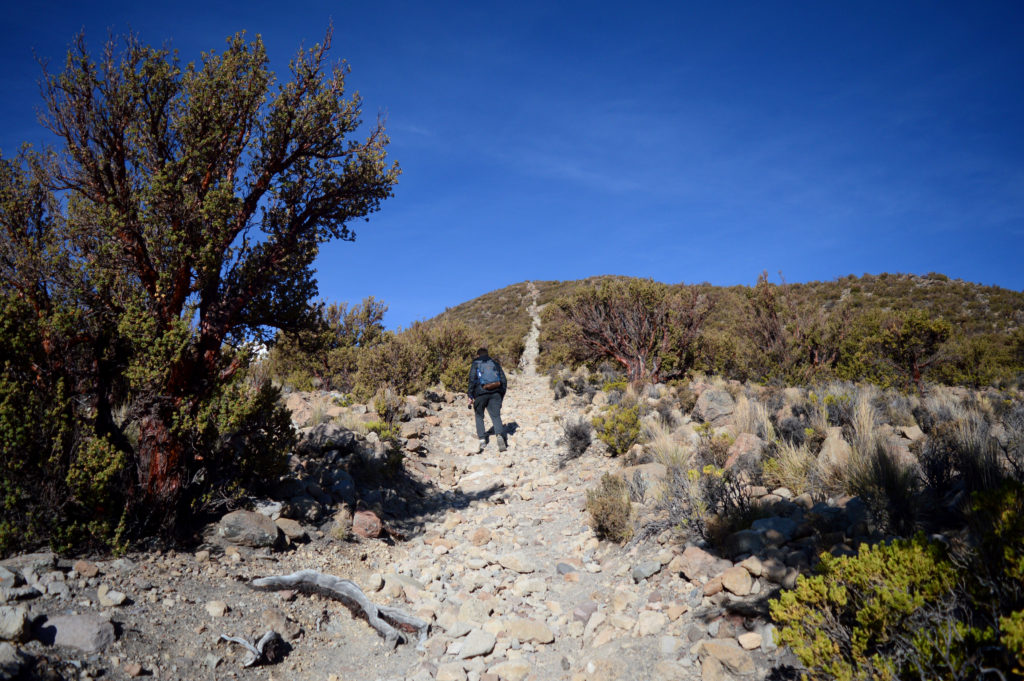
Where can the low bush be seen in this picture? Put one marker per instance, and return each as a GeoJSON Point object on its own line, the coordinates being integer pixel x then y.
{"type": "Point", "coordinates": [576, 438]}
{"type": "Point", "coordinates": [611, 513]}
{"type": "Point", "coordinates": [856, 618]}
{"type": "Point", "coordinates": [915, 608]}
{"type": "Point", "coordinates": [888, 487]}
{"type": "Point", "coordinates": [618, 426]}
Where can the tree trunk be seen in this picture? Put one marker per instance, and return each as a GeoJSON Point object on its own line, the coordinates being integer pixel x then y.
{"type": "Point", "coordinates": [160, 462]}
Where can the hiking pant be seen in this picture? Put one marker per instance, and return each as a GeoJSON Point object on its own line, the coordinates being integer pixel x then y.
{"type": "Point", "coordinates": [492, 403]}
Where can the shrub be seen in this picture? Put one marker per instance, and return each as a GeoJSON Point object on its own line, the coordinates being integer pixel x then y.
{"type": "Point", "coordinates": [610, 509]}
{"type": "Point", "coordinates": [888, 487]}
{"type": "Point", "coordinates": [850, 619]}
{"type": "Point", "coordinates": [915, 608]}
{"type": "Point", "coordinates": [618, 427]}
{"type": "Point", "coordinates": [576, 438]}
{"type": "Point", "coordinates": [792, 467]}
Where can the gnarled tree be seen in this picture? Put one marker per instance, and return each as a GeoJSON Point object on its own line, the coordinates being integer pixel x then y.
{"type": "Point", "coordinates": [178, 221]}
{"type": "Point", "coordinates": [647, 327]}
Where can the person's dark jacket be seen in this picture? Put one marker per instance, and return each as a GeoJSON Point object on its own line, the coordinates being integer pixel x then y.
{"type": "Point", "coordinates": [475, 389]}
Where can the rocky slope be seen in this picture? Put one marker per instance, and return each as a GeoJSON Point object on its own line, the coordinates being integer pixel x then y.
{"type": "Point", "coordinates": [493, 549]}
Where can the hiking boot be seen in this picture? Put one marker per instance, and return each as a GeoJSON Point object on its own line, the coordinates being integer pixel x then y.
{"type": "Point", "coordinates": [501, 443]}
{"type": "Point", "coordinates": [483, 445]}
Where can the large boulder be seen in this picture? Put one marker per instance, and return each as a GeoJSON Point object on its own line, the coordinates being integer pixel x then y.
{"type": "Point", "coordinates": [89, 633]}
{"type": "Point", "coordinates": [248, 528]}
{"type": "Point", "coordinates": [326, 437]}
{"type": "Point", "coordinates": [714, 406]}
{"type": "Point", "coordinates": [745, 452]}
{"type": "Point", "coordinates": [835, 451]}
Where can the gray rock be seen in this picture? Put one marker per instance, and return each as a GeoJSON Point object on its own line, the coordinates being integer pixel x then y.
{"type": "Point", "coordinates": [785, 526]}
{"type": "Point", "coordinates": [583, 611]}
{"type": "Point", "coordinates": [714, 406]}
{"type": "Point", "coordinates": [13, 622]}
{"type": "Point", "coordinates": [12, 661]}
{"type": "Point", "coordinates": [8, 579]}
{"type": "Point", "coordinates": [88, 633]}
{"type": "Point", "coordinates": [325, 437]}
{"type": "Point", "coordinates": [34, 562]}
{"type": "Point", "coordinates": [342, 487]}
{"type": "Point", "coordinates": [564, 568]}
{"type": "Point", "coordinates": [477, 642]}
{"type": "Point", "coordinates": [271, 509]}
{"type": "Point", "coordinates": [304, 508]}
{"type": "Point", "coordinates": [645, 569]}
{"type": "Point", "coordinates": [744, 541]}
{"type": "Point", "coordinates": [835, 451]}
{"type": "Point", "coordinates": [246, 528]}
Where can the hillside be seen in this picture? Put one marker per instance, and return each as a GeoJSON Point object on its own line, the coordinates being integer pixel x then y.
{"type": "Point", "coordinates": [985, 320]}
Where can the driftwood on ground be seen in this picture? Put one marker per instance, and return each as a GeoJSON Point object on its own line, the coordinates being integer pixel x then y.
{"type": "Point", "coordinates": [391, 623]}
{"type": "Point", "coordinates": [267, 649]}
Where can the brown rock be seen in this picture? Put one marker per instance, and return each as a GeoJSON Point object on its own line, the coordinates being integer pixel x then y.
{"type": "Point", "coordinates": [86, 568]}
{"type": "Point", "coordinates": [367, 524]}
{"type": "Point", "coordinates": [737, 580]}
{"type": "Point", "coordinates": [745, 451]}
{"type": "Point", "coordinates": [729, 653]}
{"type": "Point", "coordinates": [480, 536]}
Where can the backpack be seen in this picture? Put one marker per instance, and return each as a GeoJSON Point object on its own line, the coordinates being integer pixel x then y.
{"type": "Point", "coordinates": [487, 376]}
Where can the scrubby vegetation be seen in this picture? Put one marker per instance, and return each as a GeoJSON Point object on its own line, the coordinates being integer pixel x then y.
{"type": "Point", "coordinates": [141, 260]}
{"type": "Point", "coordinates": [610, 509]}
{"type": "Point", "coordinates": [892, 330]}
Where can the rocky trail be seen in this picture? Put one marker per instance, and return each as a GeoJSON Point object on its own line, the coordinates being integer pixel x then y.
{"type": "Point", "coordinates": [492, 549]}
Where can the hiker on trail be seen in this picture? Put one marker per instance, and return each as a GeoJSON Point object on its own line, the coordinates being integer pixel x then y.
{"type": "Point", "coordinates": [487, 385]}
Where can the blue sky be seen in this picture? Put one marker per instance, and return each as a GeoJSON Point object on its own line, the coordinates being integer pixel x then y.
{"type": "Point", "coordinates": [686, 141]}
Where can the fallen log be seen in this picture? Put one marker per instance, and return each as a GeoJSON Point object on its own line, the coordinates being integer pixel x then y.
{"type": "Point", "coordinates": [391, 623]}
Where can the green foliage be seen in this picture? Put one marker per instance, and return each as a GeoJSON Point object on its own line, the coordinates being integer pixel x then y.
{"type": "Point", "coordinates": [912, 608]}
{"type": "Point", "coordinates": [843, 329]}
{"type": "Point", "coordinates": [845, 622]}
{"type": "Point", "coordinates": [418, 358]}
{"type": "Point", "coordinates": [618, 426]}
{"type": "Point", "coordinates": [611, 513]}
{"type": "Point", "coordinates": [649, 328]}
{"type": "Point", "coordinates": [194, 198]}
{"type": "Point", "coordinates": [327, 355]}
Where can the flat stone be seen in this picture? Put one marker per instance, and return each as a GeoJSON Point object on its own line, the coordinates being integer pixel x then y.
{"type": "Point", "coordinates": [529, 630]}
{"type": "Point", "coordinates": [511, 670]}
{"type": "Point", "coordinates": [475, 610]}
{"type": "Point", "coordinates": [750, 640]}
{"type": "Point", "coordinates": [729, 653]}
{"type": "Point", "coordinates": [564, 568]}
{"type": "Point", "coordinates": [216, 608]}
{"type": "Point", "coordinates": [645, 569]}
{"type": "Point", "coordinates": [516, 563]}
{"type": "Point", "coordinates": [451, 671]}
{"type": "Point", "coordinates": [292, 529]}
{"type": "Point", "coordinates": [86, 568]}
{"type": "Point", "coordinates": [14, 625]}
{"type": "Point", "coordinates": [695, 562]}
{"type": "Point", "coordinates": [477, 642]}
{"type": "Point", "coordinates": [480, 536]}
{"type": "Point", "coordinates": [583, 611]}
{"type": "Point", "coordinates": [109, 598]}
{"type": "Point", "coordinates": [87, 632]}
{"type": "Point", "coordinates": [650, 623]}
